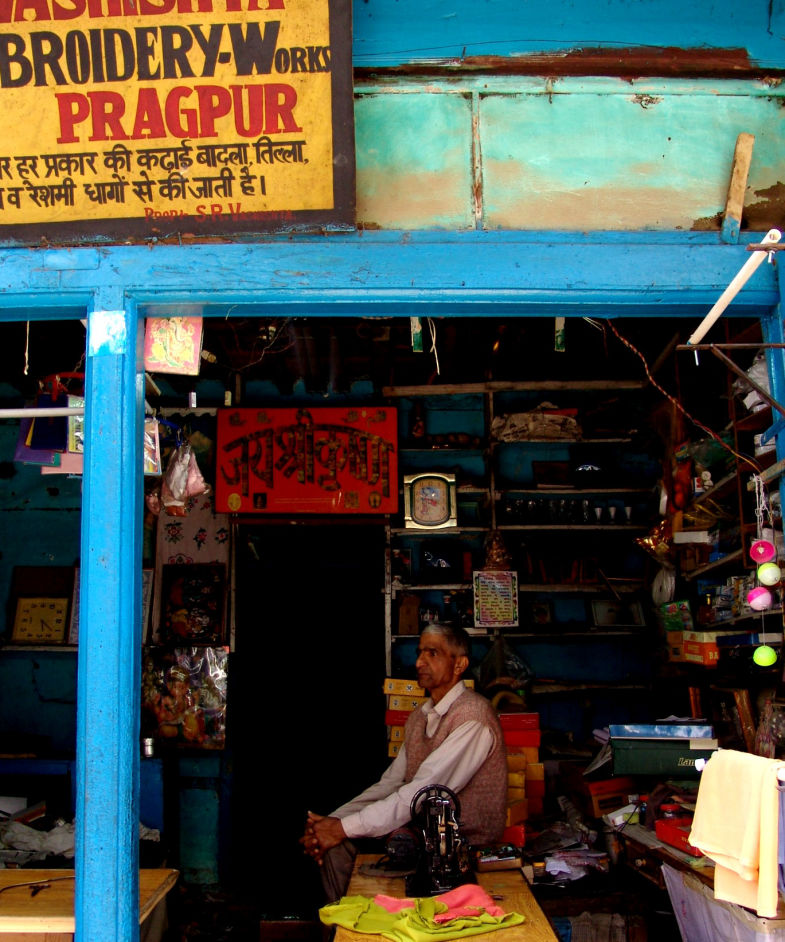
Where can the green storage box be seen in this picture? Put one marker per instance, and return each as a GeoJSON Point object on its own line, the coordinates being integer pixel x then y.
{"type": "Point", "coordinates": [670, 757]}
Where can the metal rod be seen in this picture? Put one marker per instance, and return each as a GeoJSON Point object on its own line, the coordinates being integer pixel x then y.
{"type": "Point", "coordinates": [40, 413]}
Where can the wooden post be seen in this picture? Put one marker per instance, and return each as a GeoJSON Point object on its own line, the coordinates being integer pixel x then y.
{"type": "Point", "coordinates": [734, 205]}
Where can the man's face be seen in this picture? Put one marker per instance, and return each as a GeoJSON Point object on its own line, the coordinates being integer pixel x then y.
{"type": "Point", "coordinates": [438, 669]}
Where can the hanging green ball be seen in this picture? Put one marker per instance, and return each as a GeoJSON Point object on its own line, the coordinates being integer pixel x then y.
{"type": "Point", "coordinates": [764, 656]}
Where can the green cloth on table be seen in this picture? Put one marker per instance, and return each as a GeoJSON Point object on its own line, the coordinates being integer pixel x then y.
{"type": "Point", "coordinates": [410, 925]}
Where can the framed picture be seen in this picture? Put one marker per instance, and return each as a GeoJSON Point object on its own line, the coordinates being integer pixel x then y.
{"type": "Point", "coordinates": [540, 612]}
{"type": "Point", "coordinates": [193, 603]}
{"type": "Point", "coordinates": [612, 614]}
{"type": "Point", "coordinates": [495, 598]}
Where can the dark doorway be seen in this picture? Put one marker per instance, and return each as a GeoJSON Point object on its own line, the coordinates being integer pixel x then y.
{"type": "Point", "coordinates": [306, 702]}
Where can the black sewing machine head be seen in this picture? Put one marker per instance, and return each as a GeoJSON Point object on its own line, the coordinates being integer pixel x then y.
{"type": "Point", "coordinates": [444, 859]}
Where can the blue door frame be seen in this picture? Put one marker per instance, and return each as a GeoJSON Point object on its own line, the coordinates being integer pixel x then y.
{"type": "Point", "coordinates": [497, 274]}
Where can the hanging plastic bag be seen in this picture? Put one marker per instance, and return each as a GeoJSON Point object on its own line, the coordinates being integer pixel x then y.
{"type": "Point", "coordinates": [182, 480]}
{"type": "Point", "coordinates": [502, 668]}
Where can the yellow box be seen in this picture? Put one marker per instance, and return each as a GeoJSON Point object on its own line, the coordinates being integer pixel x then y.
{"type": "Point", "coordinates": [396, 733]}
{"type": "Point", "coordinates": [516, 763]}
{"type": "Point", "coordinates": [393, 748]}
{"type": "Point", "coordinates": [515, 794]}
{"type": "Point", "coordinates": [535, 771]}
{"type": "Point", "coordinates": [403, 687]}
{"type": "Point", "coordinates": [398, 702]}
{"type": "Point", "coordinates": [516, 779]}
{"type": "Point", "coordinates": [530, 753]}
{"type": "Point", "coordinates": [517, 811]}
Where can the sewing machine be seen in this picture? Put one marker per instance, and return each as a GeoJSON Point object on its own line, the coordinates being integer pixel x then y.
{"type": "Point", "coordinates": [444, 854]}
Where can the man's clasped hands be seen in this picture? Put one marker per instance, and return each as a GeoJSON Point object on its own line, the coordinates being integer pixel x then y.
{"type": "Point", "coordinates": [321, 833]}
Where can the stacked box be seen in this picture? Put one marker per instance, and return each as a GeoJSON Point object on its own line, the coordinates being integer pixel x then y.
{"type": "Point", "coordinates": [525, 773]}
{"type": "Point", "coordinates": [403, 696]}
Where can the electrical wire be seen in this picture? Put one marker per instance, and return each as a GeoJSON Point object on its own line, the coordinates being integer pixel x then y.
{"type": "Point", "coordinates": [675, 402]}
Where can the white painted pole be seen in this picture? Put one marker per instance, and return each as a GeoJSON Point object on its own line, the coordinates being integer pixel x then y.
{"type": "Point", "coordinates": [34, 413]}
{"type": "Point", "coordinates": [744, 274]}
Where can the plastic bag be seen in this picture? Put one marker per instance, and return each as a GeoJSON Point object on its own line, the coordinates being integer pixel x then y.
{"type": "Point", "coordinates": [501, 667]}
{"type": "Point", "coordinates": [182, 480]}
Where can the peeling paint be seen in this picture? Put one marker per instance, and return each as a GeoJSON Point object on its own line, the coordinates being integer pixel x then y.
{"type": "Point", "coordinates": [646, 101]}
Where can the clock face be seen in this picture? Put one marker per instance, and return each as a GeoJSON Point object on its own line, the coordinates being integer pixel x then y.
{"type": "Point", "coordinates": [40, 621]}
{"type": "Point", "coordinates": [430, 500]}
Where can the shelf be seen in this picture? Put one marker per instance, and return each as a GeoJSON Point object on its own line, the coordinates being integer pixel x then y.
{"type": "Point", "coordinates": [444, 531]}
{"type": "Point", "coordinates": [609, 527]}
{"type": "Point", "coordinates": [733, 557]}
{"type": "Point", "coordinates": [620, 440]}
{"type": "Point", "coordinates": [67, 648]}
{"type": "Point", "coordinates": [440, 587]}
{"type": "Point", "coordinates": [579, 589]}
{"type": "Point", "coordinates": [549, 637]}
{"type": "Point", "coordinates": [568, 491]}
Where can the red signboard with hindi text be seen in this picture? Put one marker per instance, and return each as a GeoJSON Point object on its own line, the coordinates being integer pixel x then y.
{"type": "Point", "coordinates": [307, 460]}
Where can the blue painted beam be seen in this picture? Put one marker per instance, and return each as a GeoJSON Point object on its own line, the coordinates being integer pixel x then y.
{"type": "Point", "coordinates": [109, 659]}
{"type": "Point", "coordinates": [400, 32]}
{"type": "Point", "coordinates": [397, 272]}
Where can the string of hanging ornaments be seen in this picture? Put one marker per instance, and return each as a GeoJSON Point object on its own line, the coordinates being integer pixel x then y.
{"type": "Point", "coordinates": [763, 552]}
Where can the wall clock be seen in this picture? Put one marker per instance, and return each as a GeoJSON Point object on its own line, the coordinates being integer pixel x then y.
{"type": "Point", "coordinates": [429, 501]}
{"type": "Point", "coordinates": [40, 621]}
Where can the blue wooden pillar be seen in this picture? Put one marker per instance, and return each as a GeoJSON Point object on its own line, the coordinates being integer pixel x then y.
{"type": "Point", "coordinates": [107, 758]}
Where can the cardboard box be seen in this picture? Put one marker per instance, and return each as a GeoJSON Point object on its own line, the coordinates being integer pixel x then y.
{"type": "Point", "coordinates": [517, 811]}
{"type": "Point", "coordinates": [519, 720]}
{"type": "Point", "coordinates": [396, 733]}
{"type": "Point", "coordinates": [393, 748]}
{"type": "Point", "coordinates": [535, 771]}
{"type": "Point", "coordinates": [404, 702]}
{"type": "Point", "coordinates": [393, 685]}
{"type": "Point", "coordinates": [700, 647]}
{"type": "Point", "coordinates": [515, 834]}
{"type": "Point", "coordinates": [669, 757]}
{"type": "Point", "coordinates": [676, 832]}
{"type": "Point", "coordinates": [515, 794]}
{"type": "Point", "coordinates": [396, 717]}
{"type": "Point", "coordinates": [530, 753]}
{"type": "Point", "coordinates": [535, 788]}
{"type": "Point", "coordinates": [516, 763]}
{"type": "Point", "coordinates": [522, 737]}
{"type": "Point", "coordinates": [516, 779]}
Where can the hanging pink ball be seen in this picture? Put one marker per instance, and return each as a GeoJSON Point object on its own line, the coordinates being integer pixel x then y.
{"type": "Point", "coordinates": [762, 551]}
{"type": "Point", "coordinates": [759, 598]}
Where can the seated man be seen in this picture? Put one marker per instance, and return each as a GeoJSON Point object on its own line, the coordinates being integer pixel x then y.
{"type": "Point", "coordinates": [453, 739]}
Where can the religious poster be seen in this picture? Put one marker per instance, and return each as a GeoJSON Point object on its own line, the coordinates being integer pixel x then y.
{"type": "Point", "coordinates": [495, 598]}
{"type": "Point", "coordinates": [174, 117]}
{"type": "Point", "coordinates": [307, 460]}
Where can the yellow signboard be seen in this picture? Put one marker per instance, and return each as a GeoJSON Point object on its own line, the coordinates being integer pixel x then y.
{"type": "Point", "coordinates": [148, 117]}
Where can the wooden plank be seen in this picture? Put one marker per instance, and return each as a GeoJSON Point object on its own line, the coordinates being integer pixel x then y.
{"type": "Point", "coordinates": [734, 204]}
{"type": "Point", "coordinates": [466, 389]}
{"type": "Point", "coordinates": [50, 913]}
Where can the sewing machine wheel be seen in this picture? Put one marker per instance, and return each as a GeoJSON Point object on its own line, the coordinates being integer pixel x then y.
{"type": "Point", "coordinates": [433, 793]}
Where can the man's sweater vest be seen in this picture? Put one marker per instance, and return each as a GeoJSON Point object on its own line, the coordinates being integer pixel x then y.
{"type": "Point", "coordinates": [484, 798]}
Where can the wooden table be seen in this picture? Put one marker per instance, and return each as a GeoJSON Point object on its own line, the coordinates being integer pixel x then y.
{"type": "Point", "coordinates": [508, 888]}
{"type": "Point", "coordinates": [49, 915]}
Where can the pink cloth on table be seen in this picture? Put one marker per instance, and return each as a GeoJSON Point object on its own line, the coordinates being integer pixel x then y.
{"type": "Point", "coordinates": [465, 900]}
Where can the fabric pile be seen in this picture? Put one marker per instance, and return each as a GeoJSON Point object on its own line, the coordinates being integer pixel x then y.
{"type": "Point", "coordinates": [459, 913]}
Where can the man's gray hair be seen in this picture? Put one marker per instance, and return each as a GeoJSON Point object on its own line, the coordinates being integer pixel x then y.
{"type": "Point", "coordinates": [457, 637]}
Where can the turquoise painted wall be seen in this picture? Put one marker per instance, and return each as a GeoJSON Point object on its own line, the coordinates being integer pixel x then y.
{"type": "Point", "coordinates": [39, 526]}
{"type": "Point", "coordinates": [570, 154]}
